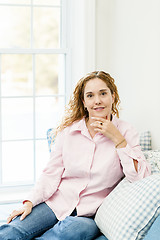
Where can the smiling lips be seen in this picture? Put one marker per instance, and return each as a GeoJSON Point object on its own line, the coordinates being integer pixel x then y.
{"type": "Point", "coordinates": [98, 108]}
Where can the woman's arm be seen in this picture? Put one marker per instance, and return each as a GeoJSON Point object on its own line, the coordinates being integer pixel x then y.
{"type": "Point", "coordinates": [134, 164]}
{"type": "Point", "coordinates": [50, 178]}
{"type": "Point", "coordinates": [126, 141]}
{"type": "Point", "coordinates": [122, 144]}
{"type": "Point", "coordinates": [47, 183]}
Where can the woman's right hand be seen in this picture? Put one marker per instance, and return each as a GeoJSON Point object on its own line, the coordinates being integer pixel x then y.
{"type": "Point", "coordinates": [25, 210]}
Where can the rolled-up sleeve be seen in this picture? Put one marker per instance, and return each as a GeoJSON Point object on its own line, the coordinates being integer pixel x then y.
{"type": "Point", "coordinates": [50, 178]}
{"type": "Point", "coordinates": [131, 152]}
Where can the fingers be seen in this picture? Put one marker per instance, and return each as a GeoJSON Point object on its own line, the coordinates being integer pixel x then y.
{"type": "Point", "coordinates": [103, 126]}
{"type": "Point", "coordinates": [26, 212]}
{"type": "Point", "coordinates": [9, 219]}
{"type": "Point", "coordinates": [98, 119]}
{"type": "Point", "coordinates": [97, 125]}
{"type": "Point", "coordinates": [102, 119]}
{"type": "Point", "coordinates": [14, 214]}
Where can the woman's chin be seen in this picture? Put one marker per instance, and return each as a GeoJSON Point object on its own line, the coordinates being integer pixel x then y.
{"type": "Point", "coordinates": [100, 115]}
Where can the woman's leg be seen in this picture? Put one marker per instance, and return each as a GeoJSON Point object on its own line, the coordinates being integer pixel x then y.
{"type": "Point", "coordinates": [154, 231]}
{"type": "Point", "coordinates": [75, 228]}
{"type": "Point", "coordinates": [40, 220]}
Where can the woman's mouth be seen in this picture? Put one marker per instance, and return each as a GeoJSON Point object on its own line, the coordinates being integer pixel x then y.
{"type": "Point", "coordinates": [98, 108]}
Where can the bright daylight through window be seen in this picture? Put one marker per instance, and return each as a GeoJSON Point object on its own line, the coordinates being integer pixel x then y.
{"type": "Point", "coordinates": [32, 85]}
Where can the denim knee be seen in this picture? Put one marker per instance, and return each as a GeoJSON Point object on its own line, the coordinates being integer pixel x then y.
{"type": "Point", "coordinates": [40, 220]}
{"type": "Point", "coordinates": [76, 228]}
{"type": "Point", "coordinates": [8, 231]}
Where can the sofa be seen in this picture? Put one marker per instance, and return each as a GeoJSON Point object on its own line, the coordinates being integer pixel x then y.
{"type": "Point", "coordinates": [129, 210]}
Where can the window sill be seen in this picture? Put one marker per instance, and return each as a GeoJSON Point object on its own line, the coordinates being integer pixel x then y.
{"type": "Point", "coordinates": [14, 194]}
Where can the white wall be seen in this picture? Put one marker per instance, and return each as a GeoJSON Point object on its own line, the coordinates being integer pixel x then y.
{"type": "Point", "coordinates": [81, 36]}
{"type": "Point", "coordinates": [128, 47]}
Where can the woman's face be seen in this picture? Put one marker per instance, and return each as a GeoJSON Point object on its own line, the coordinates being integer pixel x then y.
{"type": "Point", "coordinates": [98, 99]}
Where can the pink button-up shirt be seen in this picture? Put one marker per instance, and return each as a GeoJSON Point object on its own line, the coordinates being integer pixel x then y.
{"type": "Point", "coordinates": [82, 170]}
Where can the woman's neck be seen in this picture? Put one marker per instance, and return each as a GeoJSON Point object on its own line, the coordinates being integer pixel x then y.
{"type": "Point", "coordinates": [90, 128]}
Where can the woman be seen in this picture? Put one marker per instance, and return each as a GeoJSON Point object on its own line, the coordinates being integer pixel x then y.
{"type": "Point", "coordinates": [93, 151]}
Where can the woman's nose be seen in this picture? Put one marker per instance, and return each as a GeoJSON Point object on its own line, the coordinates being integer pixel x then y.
{"type": "Point", "coordinates": [97, 100]}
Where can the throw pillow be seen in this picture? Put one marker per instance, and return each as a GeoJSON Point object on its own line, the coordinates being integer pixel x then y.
{"type": "Point", "coordinates": [130, 209]}
{"type": "Point", "coordinates": [153, 157]}
{"type": "Point", "coordinates": [50, 138]}
{"type": "Point", "coordinates": [145, 141]}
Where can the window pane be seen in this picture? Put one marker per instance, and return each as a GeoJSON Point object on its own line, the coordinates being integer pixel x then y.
{"type": "Point", "coordinates": [14, 27]}
{"type": "Point", "coordinates": [42, 156]}
{"type": "Point", "coordinates": [17, 163]}
{"type": "Point", "coordinates": [47, 2]}
{"type": "Point", "coordinates": [46, 20]}
{"type": "Point", "coordinates": [17, 75]}
{"type": "Point", "coordinates": [32, 86]}
{"type": "Point", "coordinates": [48, 113]}
{"type": "Point", "coordinates": [17, 118]}
{"type": "Point", "coordinates": [49, 77]}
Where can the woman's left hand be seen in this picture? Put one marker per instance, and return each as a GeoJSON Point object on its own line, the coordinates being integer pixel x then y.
{"type": "Point", "coordinates": [107, 128]}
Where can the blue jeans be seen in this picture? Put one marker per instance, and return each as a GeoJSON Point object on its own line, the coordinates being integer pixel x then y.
{"type": "Point", "coordinates": [42, 224]}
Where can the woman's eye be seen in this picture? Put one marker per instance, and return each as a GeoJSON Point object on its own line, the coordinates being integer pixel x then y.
{"type": "Point", "coordinates": [89, 95]}
{"type": "Point", "coordinates": [103, 93]}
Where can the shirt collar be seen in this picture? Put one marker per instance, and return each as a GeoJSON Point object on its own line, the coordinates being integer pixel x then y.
{"type": "Point", "coordinates": [78, 126]}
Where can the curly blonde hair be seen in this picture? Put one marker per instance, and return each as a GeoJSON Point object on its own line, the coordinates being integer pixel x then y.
{"type": "Point", "coordinates": [75, 110]}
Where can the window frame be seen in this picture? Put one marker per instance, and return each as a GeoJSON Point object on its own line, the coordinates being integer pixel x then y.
{"type": "Point", "coordinates": [64, 50]}
{"type": "Point", "coordinates": [75, 68]}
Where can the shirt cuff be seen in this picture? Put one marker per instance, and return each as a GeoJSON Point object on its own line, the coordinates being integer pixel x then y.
{"type": "Point", "coordinates": [128, 152]}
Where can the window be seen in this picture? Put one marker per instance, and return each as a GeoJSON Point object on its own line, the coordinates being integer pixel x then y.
{"type": "Point", "coordinates": [32, 84]}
